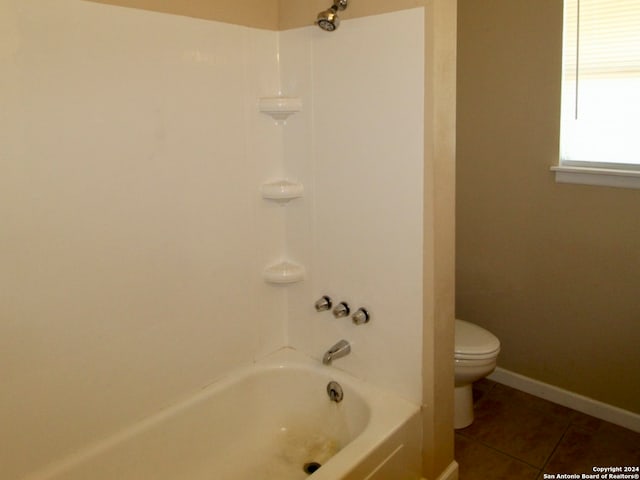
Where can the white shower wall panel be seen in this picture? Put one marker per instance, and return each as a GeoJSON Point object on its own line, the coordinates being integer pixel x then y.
{"type": "Point", "coordinates": [360, 149]}
{"type": "Point", "coordinates": [133, 233]}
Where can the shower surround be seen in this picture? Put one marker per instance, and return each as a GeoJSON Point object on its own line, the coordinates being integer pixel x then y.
{"type": "Point", "coordinates": [134, 233]}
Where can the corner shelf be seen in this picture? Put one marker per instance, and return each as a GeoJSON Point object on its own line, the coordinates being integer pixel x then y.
{"type": "Point", "coordinates": [280, 108]}
{"type": "Point", "coordinates": [283, 273]}
{"type": "Point", "coordinates": [281, 191]}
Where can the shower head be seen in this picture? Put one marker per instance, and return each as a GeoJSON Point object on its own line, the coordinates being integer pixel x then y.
{"type": "Point", "coordinates": [329, 20]}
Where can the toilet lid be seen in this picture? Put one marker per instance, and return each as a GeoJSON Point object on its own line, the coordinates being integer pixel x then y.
{"type": "Point", "coordinates": [473, 341]}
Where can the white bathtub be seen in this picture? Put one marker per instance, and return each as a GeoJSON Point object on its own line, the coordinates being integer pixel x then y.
{"type": "Point", "coordinates": [263, 422]}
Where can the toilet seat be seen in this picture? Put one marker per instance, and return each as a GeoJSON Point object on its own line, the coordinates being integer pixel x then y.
{"type": "Point", "coordinates": [474, 343]}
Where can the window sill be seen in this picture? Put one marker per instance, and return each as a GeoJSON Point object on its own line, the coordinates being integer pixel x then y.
{"type": "Point", "coordinates": [597, 176]}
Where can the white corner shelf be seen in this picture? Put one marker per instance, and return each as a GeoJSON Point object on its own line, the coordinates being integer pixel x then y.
{"type": "Point", "coordinates": [281, 191]}
{"type": "Point", "coordinates": [280, 108]}
{"type": "Point", "coordinates": [284, 272]}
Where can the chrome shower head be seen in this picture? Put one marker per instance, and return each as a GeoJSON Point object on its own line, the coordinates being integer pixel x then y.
{"type": "Point", "coordinates": [329, 20]}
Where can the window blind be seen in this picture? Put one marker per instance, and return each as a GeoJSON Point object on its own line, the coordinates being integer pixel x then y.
{"type": "Point", "coordinates": [603, 36]}
{"type": "Point", "coordinates": [601, 82]}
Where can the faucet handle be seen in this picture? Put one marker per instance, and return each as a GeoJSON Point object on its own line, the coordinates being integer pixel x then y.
{"type": "Point", "coordinates": [341, 310]}
{"type": "Point", "coordinates": [360, 317]}
{"type": "Point", "coordinates": [323, 303]}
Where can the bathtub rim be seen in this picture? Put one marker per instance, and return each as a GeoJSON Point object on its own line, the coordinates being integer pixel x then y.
{"type": "Point", "coordinates": [384, 420]}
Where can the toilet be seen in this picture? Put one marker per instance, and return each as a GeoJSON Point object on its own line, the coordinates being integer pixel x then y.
{"type": "Point", "coordinates": [476, 352]}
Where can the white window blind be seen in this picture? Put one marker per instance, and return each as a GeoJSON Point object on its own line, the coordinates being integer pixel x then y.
{"type": "Point", "coordinates": [601, 84]}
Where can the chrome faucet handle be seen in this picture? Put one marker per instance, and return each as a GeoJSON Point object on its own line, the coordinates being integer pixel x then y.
{"type": "Point", "coordinates": [341, 310]}
{"type": "Point", "coordinates": [360, 317]}
{"type": "Point", "coordinates": [323, 303]}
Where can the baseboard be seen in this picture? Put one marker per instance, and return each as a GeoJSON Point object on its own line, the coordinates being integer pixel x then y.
{"type": "Point", "coordinates": [583, 404]}
{"type": "Point", "coordinates": [449, 473]}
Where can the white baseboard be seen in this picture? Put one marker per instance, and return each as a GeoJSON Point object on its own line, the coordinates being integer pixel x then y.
{"type": "Point", "coordinates": [583, 404]}
{"type": "Point", "coordinates": [450, 473]}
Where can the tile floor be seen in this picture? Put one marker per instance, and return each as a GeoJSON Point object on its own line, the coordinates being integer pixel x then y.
{"type": "Point", "coordinates": [518, 436]}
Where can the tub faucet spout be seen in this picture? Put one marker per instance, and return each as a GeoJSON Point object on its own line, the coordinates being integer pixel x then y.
{"type": "Point", "coordinates": [340, 349]}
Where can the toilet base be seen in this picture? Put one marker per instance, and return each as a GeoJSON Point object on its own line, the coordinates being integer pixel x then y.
{"type": "Point", "coordinates": [463, 406]}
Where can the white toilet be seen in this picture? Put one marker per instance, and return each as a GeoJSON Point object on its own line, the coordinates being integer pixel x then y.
{"type": "Point", "coordinates": [476, 352]}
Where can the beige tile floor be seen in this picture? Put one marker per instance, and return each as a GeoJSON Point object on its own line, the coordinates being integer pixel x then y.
{"type": "Point", "coordinates": [518, 436]}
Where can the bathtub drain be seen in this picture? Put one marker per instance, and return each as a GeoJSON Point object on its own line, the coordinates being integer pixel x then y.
{"type": "Point", "coordinates": [311, 467]}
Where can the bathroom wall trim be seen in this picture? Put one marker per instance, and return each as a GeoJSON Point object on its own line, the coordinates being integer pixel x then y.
{"type": "Point", "coordinates": [449, 473]}
{"type": "Point", "coordinates": [583, 404]}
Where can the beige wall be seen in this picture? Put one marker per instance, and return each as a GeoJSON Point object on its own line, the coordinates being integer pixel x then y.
{"type": "Point", "coordinates": [269, 14]}
{"type": "Point", "coordinates": [439, 236]}
{"type": "Point", "coordinates": [552, 269]}
{"type": "Point", "coordinates": [252, 13]}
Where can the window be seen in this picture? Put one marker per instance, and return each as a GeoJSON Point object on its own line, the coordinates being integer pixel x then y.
{"type": "Point", "coordinates": [600, 123]}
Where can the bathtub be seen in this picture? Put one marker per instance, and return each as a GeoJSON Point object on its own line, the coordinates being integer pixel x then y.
{"type": "Point", "coordinates": [271, 421]}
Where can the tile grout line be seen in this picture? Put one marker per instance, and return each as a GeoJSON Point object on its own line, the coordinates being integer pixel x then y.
{"type": "Point", "coordinates": [501, 452]}
{"type": "Point", "coordinates": [567, 416]}
{"type": "Point", "coordinates": [547, 459]}
{"type": "Point", "coordinates": [564, 434]}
